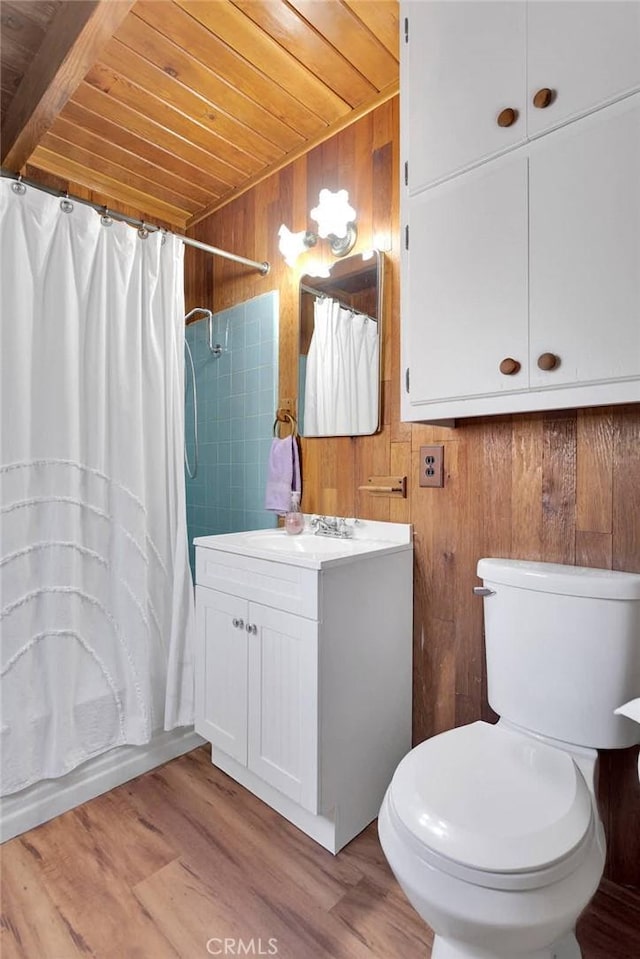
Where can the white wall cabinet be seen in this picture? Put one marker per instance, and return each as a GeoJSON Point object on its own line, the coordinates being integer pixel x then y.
{"type": "Point", "coordinates": [521, 275]}
{"type": "Point", "coordinates": [303, 674]}
{"type": "Point", "coordinates": [474, 74]}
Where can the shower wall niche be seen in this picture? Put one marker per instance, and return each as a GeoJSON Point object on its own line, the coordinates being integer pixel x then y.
{"type": "Point", "coordinates": [236, 402]}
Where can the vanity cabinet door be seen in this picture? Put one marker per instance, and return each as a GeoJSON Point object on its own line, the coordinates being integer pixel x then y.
{"type": "Point", "coordinates": [448, 122]}
{"type": "Point", "coordinates": [586, 53]}
{"type": "Point", "coordinates": [585, 249]}
{"type": "Point", "coordinates": [221, 671]}
{"type": "Point", "coordinates": [283, 702]}
{"type": "Point", "coordinates": [467, 304]}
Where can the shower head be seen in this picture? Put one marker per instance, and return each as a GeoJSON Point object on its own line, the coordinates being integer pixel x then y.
{"type": "Point", "coordinates": [198, 309]}
{"type": "Point", "coordinates": [217, 350]}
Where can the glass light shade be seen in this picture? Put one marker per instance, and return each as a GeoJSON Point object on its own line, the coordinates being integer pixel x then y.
{"type": "Point", "coordinates": [333, 214]}
{"type": "Point", "coordinates": [316, 268]}
{"type": "Point", "coordinates": [291, 245]}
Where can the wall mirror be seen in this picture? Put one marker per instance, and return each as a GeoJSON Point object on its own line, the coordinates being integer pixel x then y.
{"type": "Point", "coordinates": [340, 348]}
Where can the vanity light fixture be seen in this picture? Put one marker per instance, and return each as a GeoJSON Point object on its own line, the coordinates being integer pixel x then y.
{"type": "Point", "coordinates": [336, 223]}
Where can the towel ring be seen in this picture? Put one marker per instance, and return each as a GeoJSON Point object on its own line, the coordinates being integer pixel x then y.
{"type": "Point", "coordinates": [283, 416]}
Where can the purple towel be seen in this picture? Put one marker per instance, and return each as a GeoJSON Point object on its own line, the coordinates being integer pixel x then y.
{"type": "Point", "coordinates": [283, 476]}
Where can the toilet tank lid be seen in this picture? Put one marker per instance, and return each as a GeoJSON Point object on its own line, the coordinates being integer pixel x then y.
{"type": "Point", "coordinates": [559, 578]}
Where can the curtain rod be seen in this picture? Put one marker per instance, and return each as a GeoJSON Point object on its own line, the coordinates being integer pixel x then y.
{"type": "Point", "coordinates": [330, 296]}
{"type": "Point", "coordinates": [263, 267]}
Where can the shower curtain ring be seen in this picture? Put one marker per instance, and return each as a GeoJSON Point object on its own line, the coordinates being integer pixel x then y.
{"type": "Point", "coordinates": [65, 203]}
{"type": "Point", "coordinates": [105, 219]}
{"type": "Point", "coordinates": [143, 233]}
{"type": "Point", "coordinates": [18, 186]}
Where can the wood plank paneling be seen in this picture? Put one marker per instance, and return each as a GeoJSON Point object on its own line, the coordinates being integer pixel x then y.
{"type": "Point", "coordinates": [76, 37]}
{"type": "Point", "coordinates": [238, 90]}
{"type": "Point", "coordinates": [561, 487]}
{"type": "Point", "coordinates": [239, 32]}
{"type": "Point", "coordinates": [280, 22]}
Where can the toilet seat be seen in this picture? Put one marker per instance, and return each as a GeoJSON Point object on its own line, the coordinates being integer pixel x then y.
{"type": "Point", "coordinates": [493, 806]}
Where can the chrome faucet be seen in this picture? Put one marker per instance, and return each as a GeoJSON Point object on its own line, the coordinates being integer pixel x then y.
{"type": "Point", "coordinates": [331, 526]}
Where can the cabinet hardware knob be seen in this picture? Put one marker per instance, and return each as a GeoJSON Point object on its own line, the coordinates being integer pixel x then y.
{"type": "Point", "coordinates": [252, 628]}
{"type": "Point", "coordinates": [543, 98]}
{"type": "Point", "coordinates": [548, 361]}
{"type": "Point", "coordinates": [238, 623]}
{"type": "Point", "coordinates": [509, 366]}
{"type": "Point", "coordinates": [483, 591]}
{"type": "Point", "coordinates": [507, 118]}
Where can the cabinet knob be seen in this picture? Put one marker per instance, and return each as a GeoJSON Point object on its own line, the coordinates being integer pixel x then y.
{"type": "Point", "coordinates": [238, 623]}
{"type": "Point", "coordinates": [543, 98]}
{"type": "Point", "coordinates": [548, 361]}
{"type": "Point", "coordinates": [509, 366]}
{"type": "Point", "coordinates": [507, 118]}
{"type": "Point", "coordinates": [252, 628]}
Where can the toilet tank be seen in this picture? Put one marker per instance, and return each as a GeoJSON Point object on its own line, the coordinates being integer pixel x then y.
{"type": "Point", "coordinates": [563, 649]}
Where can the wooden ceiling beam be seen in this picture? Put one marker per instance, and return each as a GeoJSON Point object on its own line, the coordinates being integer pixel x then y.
{"type": "Point", "coordinates": [72, 44]}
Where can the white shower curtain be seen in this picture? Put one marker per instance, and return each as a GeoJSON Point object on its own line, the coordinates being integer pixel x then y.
{"type": "Point", "coordinates": [96, 602]}
{"type": "Point", "coordinates": [341, 385]}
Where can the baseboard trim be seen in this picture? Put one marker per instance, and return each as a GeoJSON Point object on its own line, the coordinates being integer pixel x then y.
{"type": "Point", "coordinates": [44, 800]}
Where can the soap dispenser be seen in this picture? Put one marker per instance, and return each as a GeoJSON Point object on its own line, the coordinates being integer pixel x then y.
{"type": "Point", "coordinates": [294, 520]}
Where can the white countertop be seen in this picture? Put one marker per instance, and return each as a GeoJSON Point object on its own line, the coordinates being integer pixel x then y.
{"type": "Point", "coordinates": [307, 549]}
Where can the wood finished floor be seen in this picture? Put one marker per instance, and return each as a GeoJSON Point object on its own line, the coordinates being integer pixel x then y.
{"type": "Point", "coordinates": [159, 866]}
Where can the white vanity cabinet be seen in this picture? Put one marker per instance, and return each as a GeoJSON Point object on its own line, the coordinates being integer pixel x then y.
{"type": "Point", "coordinates": [303, 670]}
{"type": "Point", "coordinates": [520, 275]}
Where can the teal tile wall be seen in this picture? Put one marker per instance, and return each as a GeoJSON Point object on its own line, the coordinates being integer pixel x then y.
{"type": "Point", "coordinates": [237, 395]}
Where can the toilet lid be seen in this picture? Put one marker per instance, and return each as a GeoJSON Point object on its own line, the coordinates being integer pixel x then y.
{"type": "Point", "coordinates": [492, 799]}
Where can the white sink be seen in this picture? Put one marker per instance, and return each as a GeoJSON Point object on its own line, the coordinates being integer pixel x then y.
{"type": "Point", "coordinates": [308, 549]}
{"type": "Point", "coordinates": [306, 544]}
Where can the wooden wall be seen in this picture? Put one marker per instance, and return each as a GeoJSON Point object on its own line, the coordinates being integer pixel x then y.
{"type": "Point", "coordinates": [562, 487]}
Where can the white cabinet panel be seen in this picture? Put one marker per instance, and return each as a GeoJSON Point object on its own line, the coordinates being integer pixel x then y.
{"type": "Point", "coordinates": [311, 715]}
{"type": "Point", "coordinates": [585, 248]}
{"type": "Point", "coordinates": [449, 123]}
{"type": "Point", "coordinates": [221, 683]}
{"type": "Point", "coordinates": [283, 698]}
{"type": "Point", "coordinates": [467, 305]}
{"type": "Point", "coordinates": [465, 62]}
{"type": "Point", "coordinates": [588, 53]}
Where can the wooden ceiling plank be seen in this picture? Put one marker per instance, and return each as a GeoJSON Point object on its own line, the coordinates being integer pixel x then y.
{"type": "Point", "coordinates": [238, 31]}
{"type": "Point", "coordinates": [101, 164]}
{"type": "Point", "coordinates": [339, 25]}
{"type": "Point", "coordinates": [150, 129]}
{"type": "Point", "coordinates": [233, 109]}
{"type": "Point", "coordinates": [150, 207]}
{"type": "Point", "coordinates": [23, 30]}
{"type": "Point", "coordinates": [77, 34]}
{"type": "Point", "coordinates": [171, 117]}
{"type": "Point", "coordinates": [245, 76]}
{"type": "Point", "coordinates": [296, 36]}
{"type": "Point", "coordinates": [207, 127]}
{"type": "Point", "coordinates": [121, 136]}
{"type": "Point", "coordinates": [10, 78]}
{"type": "Point", "coordinates": [382, 19]}
{"type": "Point", "coordinates": [40, 12]}
{"type": "Point", "coordinates": [14, 55]}
{"type": "Point", "coordinates": [157, 178]}
{"type": "Point", "coordinates": [383, 96]}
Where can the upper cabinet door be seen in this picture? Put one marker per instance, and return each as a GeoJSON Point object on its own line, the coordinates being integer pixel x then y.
{"type": "Point", "coordinates": [584, 183]}
{"type": "Point", "coordinates": [581, 55]}
{"type": "Point", "coordinates": [448, 122]}
{"type": "Point", "coordinates": [466, 309]}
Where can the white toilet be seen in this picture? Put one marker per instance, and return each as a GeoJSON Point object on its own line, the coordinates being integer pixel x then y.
{"type": "Point", "coordinates": [493, 831]}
